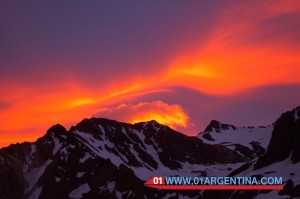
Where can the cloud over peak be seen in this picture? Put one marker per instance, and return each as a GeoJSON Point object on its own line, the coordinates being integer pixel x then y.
{"type": "Point", "coordinates": [172, 115]}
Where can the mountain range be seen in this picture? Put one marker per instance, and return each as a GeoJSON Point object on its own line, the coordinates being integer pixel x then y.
{"type": "Point", "coordinates": [102, 158]}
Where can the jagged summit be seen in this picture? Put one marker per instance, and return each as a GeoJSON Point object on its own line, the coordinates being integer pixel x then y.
{"type": "Point", "coordinates": [57, 129]}
{"type": "Point", "coordinates": [153, 123]}
{"type": "Point", "coordinates": [217, 126]}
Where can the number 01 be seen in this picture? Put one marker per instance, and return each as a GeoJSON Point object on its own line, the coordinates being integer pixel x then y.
{"type": "Point", "coordinates": [157, 180]}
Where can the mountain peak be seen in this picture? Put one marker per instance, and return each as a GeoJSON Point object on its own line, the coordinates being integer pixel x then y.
{"type": "Point", "coordinates": [153, 123]}
{"type": "Point", "coordinates": [217, 126]}
{"type": "Point", "coordinates": [56, 130]}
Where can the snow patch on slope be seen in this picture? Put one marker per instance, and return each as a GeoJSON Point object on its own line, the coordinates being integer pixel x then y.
{"type": "Point", "coordinates": [36, 193]}
{"type": "Point", "coordinates": [296, 114]}
{"type": "Point", "coordinates": [282, 169]}
{"type": "Point", "coordinates": [80, 174]}
{"type": "Point", "coordinates": [77, 193]}
{"type": "Point", "coordinates": [86, 156]}
{"type": "Point", "coordinates": [111, 186]}
{"type": "Point", "coordinates": [98, 147]}
{"type": "Point", "coordinates": [242, 135]}
{"type": "Point", "coordinates": [32, 176]}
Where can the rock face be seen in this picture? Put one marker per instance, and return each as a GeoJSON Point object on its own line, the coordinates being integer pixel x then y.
{"type": "Point", "coordinates": [285, 140]}
{"type": "Point", "coordinates": [217, 126]}
{"type": "Point", "coordinates": [101, 158]}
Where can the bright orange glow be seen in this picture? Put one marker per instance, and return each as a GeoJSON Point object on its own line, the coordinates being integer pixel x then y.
{"type": "Point", "coordinates": [171, 115]}
{"type": "Point", "coordinates": [66, 106]}
{"type": "Point", "coordinates": [16, 138]}
{"type": "Point", "coordinates": [230, 74]}
{"type": "Point", "coordinates": [42, 110]}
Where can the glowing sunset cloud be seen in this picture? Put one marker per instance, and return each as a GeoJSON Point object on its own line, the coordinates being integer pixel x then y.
{"type": "Point", "coordinates": [45, 109]}
{"type": "Point", "coordinates": [172, 115]}
{"type": "Point", "coordinates": [68, 106]}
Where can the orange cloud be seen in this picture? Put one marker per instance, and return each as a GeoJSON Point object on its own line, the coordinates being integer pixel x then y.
{"type": "Point", "coordinates": [27, 112]}
{"type": "Point", "coordinates": [172, 115]}
{"type": "Point", "coordinates": [31, 111]}
{"type": "Point", "coordinates": [247, 49]}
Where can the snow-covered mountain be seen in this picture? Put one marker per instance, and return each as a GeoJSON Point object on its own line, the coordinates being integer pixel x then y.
{"type": "Point", "coordinates": [105, 158]}
{"type": "Point", "coordinates": [281, 157]}
{"type": "Point", "coordinates": [249, 142]}
{"type": "Point", "coordinates": [101, 158]}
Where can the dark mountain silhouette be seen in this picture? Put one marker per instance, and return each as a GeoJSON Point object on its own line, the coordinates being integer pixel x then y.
{"type": "Point", "coordinates": [101, 158]}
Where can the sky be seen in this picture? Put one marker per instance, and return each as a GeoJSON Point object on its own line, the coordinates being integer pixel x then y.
{"type": "Point", "coordinates": [181, 63]}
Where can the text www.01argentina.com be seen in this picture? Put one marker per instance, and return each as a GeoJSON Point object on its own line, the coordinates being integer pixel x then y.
{"type": "Point", "coordinates": [215, 183]}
